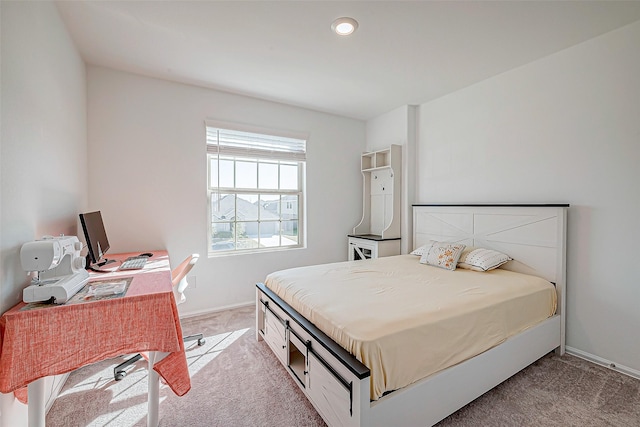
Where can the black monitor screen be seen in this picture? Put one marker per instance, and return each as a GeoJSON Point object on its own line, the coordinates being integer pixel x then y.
{"type": "Point", "coordinates": [95, 234]}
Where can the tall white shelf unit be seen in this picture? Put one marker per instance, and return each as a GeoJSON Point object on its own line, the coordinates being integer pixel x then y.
{"type": "Point", "coordinates": [378, 233]}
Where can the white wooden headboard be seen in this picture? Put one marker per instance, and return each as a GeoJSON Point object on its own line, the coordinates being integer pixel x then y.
{"type": "Point", "coordinates": [533, 235]}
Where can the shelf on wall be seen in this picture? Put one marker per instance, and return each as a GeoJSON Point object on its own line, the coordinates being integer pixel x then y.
{"type": "Point", "coordinates": [381, 172]}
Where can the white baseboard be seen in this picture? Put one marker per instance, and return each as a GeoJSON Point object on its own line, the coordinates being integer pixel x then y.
{"type": "Point", "coordinates": [604, 362]}
{"type": "Point", "coordinates": [216, 310]}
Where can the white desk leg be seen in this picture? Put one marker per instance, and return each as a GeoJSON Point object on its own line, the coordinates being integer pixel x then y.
{"type": "Point", "coordinates": [154, 392]}
{"type": "Point", "coordinates": [154, 389]}
{"type": "Point", "coordinates": [35, 407]}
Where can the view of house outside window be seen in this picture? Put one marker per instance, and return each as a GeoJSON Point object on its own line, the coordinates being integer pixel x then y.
{"type": "Point", "coordinates": [255, 190]}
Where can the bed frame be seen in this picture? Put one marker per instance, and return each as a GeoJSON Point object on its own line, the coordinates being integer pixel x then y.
{"type": "Point", "coordinates": [338, 385]}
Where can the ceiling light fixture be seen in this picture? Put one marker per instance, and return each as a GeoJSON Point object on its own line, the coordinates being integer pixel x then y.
{"type": "Point", "coordinates": [344, 26]}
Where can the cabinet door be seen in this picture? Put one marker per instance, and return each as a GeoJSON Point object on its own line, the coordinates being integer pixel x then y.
{"type": "Point", "coordinates": [362, 249]}
{"type": "Point", "coordinates": [275, 334]}
{"type": "Point", "coordinates": [330, 393]}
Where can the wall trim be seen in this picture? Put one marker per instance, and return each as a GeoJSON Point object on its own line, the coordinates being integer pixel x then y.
{"type": "Point", "coordinates": [603, 362]}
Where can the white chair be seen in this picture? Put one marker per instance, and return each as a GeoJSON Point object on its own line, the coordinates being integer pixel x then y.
{"type": "Point", "coordinates": [179, 283]}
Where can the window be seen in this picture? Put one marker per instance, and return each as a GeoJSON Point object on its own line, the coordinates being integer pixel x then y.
{"type": "Point", "coordinates": [255, 190]}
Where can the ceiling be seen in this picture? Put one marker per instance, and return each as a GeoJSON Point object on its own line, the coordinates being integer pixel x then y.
{"type": "Point", "coordinates": [403, 53]}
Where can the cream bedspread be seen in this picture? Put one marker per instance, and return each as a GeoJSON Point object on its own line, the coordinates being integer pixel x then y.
{"type": "Point", "coordinates": [405, 320]}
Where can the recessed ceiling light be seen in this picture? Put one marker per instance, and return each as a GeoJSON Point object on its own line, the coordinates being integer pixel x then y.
{"type": "Point", "coordinates": [344, 26]}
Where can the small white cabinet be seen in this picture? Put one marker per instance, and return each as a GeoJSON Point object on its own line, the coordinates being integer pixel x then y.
{"type": "Point", "coordinates": [363, 247]}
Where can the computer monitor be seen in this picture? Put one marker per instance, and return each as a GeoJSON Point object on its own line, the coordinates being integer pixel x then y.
{"type": "Point", "coordinates": [96, 237]}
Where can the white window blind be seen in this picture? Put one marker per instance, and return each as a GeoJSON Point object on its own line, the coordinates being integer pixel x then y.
{"type": "Point", "coordinates": [247, 144]}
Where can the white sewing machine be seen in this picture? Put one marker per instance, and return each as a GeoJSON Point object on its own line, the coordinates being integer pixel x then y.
{"type": "Point", "coordinates": [60, 268]}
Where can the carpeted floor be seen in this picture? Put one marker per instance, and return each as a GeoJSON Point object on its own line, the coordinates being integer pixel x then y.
{"type": "Point", "coordinates": [236, 381]}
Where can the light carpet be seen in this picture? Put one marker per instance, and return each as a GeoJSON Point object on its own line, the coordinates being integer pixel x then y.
{"type": "Point", "coordinates": [237, 381]}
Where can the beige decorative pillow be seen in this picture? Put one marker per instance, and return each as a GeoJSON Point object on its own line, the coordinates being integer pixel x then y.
{"type": "Point", "coordinates": [480, 259]}
{"type": "Point", "coordinates": [442, 254]}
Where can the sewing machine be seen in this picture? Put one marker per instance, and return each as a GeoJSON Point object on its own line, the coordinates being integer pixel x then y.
{"type": "Point", "coordinates": [60, 268]}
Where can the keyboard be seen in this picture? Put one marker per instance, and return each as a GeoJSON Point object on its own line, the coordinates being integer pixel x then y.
{"type": "Point", "coordinates": [133, 263]}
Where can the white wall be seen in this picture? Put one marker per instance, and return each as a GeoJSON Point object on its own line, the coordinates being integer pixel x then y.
{"type": "Point", "coordinates": [399, 127]}
{"type": "Point", "coordinates": [565, 128]}
{"type": "Point", "coordinates": [148, 177]}
{"type": "Point", "coordinates": [43, 145]}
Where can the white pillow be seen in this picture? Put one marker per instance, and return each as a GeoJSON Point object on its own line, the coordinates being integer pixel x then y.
{"type": "Point", "coordinates": [419, 251]}
{"type": "Point", "coordinates": [480, 259]}
{"type": "Point", "coordinates": [442, 254]}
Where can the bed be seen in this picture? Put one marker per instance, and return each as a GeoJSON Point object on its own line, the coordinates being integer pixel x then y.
{"type": "Point", "coordinates": [363, 361]}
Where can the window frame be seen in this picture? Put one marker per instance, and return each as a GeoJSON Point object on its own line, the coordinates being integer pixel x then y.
{"type": "Point", "coordinates": [238, 191]}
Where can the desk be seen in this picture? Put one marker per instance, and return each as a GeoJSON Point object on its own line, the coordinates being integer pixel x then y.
{"type": "Point", "coordinates": [54, 340]}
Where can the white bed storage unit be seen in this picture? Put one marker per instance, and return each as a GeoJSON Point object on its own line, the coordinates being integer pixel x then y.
{"type": "Point", "coordinates": [310, 358]}
{"type": "Point", "coordinates": [378, 233]}
{"type": "Point", "coordinates": [338, 385]}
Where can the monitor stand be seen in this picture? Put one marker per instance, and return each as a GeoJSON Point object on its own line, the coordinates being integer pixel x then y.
{"type": "Point", "coordinates": [105, 266]}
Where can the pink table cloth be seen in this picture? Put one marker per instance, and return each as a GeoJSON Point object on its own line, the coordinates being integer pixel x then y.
{"type": "Point", "coordinates": [61, 338]}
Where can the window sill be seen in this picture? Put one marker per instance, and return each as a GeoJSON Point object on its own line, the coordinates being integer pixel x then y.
{"type": "Point", "coordinates": [219, 254]}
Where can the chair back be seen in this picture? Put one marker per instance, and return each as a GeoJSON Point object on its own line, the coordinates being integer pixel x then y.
{"type": "Point", "coordinates": [179, 276]}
